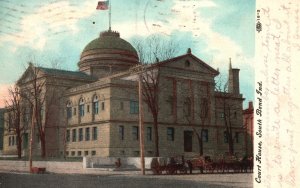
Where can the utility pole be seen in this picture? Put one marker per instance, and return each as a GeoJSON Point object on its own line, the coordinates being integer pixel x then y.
{"type": "Point", "coordinates": [139, 70]}
{"type": "Point", "coordinates": [31, 138]}
{"type": "Point", "coordinates": [141, 122]}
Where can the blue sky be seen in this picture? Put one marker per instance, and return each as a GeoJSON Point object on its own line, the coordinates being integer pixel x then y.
{"type": "Point", "coordinates": [56, 31]}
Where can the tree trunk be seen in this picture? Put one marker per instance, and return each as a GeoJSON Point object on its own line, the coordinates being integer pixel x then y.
{"type": "Point", "coordinates": [43, 145]}
{"type": "Point", "coordinates": [200, 148]}
{"type": "Point", "coordinates": [200, 145]}
{"type": "Point", "coordinates": [230, 144]}
{"type": "Point", "coordinates": [200, 141]}
{"type": "Point", "coordinates": [19, 146]}
{"type": "Point", "coordinates": [156, 139]}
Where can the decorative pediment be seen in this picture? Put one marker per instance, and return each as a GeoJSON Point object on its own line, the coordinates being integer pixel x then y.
{"type": "Point", "coordinates": [189, 62]}
{"type": "Point", "coordinates": [30, 73]}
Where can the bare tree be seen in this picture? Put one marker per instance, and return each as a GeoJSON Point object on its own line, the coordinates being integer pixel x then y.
{"type": "Point", "coordinates": [44, 98]}
{"type": "Point", "coordinates": [34, 94]}
{"type": "Point", "coordinates": [152, 50]}
{"type": "Point", "coordinates": [14, 109]}
{"type": "Point", "coordinates": [203, 115]}
{"type": "Point", "coordinates": [228, 110]}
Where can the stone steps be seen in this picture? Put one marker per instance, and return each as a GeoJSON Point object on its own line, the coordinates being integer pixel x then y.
{"type": "Point", "coordinates": [107, 167]}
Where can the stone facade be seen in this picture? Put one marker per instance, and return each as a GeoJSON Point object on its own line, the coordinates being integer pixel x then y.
{"type": "Point", "coordinates": [97, 113]}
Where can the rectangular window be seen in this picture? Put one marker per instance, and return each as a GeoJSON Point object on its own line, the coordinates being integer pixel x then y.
{"type": "Point", "coordinates": [87, 134]}
{"type": "Point", "coordinates": [121, 132]}
{"type": "Point", "coordinates": [236, 137]}
{"type": "Point", "coordinates": [69, 112]}
{"type": "Point", "coordinates": [74, 135]}
{"type": "Point", "coordinates": [222, 115]}
{"type": "Point", "coordinates": [134, 107]}
{"type": "Point", "coordinates": [96, 107]}
{"type": "Point", "coordinates": [80, 134]}
{"type": "Point", "coordinates": [25, 141]}
{"type": "Point", "coordinates": [88, 108]}
{"type": "Point", "coordinates": [102, 106]}
{"type": "Point", "coordinates": [225, 137]}
{"type": "Point", "coordinates": [149, 133]}
{"type": "Point", "coordinates": [135, 132]}
{"type": "Point", "coordinates": [9, 141]}
{"type": "Point", "coordinates": [205, 135]}
{"type": "Point", "coordinates": [95, 133]}
{"type": "Point", "coordinates": [81, 110]}
{"type": "Point", "coordinates": [170, 133]}
{"type": "Point", "coordinates": [68, 136]}
{"type": "Point", "coordinates": [13, 140]}
{"type": "Point", "coordinates": [136, 153]}
{"type": "Point", "coordinates": [73, 153]}
{"type": "Point", "coordinates": [79, 153]}
{"type": "Point", "coordinates": [86, 153]}
{"type": "Point", "coordinates": [93, 153]}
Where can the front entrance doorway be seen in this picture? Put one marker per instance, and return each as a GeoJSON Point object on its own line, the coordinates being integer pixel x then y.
{"type": "Point", "coordinates": [188, 141]}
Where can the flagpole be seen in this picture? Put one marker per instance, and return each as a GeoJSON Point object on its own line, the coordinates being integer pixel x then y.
{"type": "Point", "coordinates": [109, 15]}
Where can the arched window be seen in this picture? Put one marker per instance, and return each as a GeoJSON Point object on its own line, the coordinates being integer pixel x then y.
{"type": "Point", "coordinates": [187, 107]}
{"type": "Point", "coordinates": [187, 63]}
{"type": "Point", "coordinates": [69, 110]}
{"type": "Point", "coordinates": [95, 105]}
{"type": "Point", "coordinates": [204, 109]}
{"type": "Point", "coordinates": [81, 107]}
{"type": "Point", "coordinates": [170, 102]}
{"type": "Point", "coordinates": [226, 137]}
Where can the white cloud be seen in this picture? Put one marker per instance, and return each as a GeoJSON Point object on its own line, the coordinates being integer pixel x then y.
{"type": "Point", "coordinates": [4, 94]}
{"type": "Point", "coordinates": [49, 20]}
{"type": "Point", "coordinates": [186, 16]}
{"type": "Point", "coordinates": [221, 46]}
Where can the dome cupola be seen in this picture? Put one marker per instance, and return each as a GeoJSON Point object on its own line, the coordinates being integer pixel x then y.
{"type": "Point", "coordinates": [107, 54]}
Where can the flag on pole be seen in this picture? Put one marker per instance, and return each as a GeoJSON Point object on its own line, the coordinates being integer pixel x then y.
{"type": "Point", "coordinates": [102, 5]}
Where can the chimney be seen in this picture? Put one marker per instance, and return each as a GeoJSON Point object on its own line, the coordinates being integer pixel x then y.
{"type": "Point", "coordinates": [234, 83]}
{"type": "Point", "coordinates": [189, 51]}
{"type": "Point", "coordinates": [250, 105]}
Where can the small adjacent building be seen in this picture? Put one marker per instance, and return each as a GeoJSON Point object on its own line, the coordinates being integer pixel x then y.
{"type": "Point", "coordinates": [248, 117]}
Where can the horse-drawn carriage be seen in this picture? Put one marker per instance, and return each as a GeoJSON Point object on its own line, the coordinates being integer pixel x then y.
{"type": "Point", "coordinates": [205, 164]}
{"type": "Point", "coordinates": [222, 164]}
{"type": "Point", "coordinates": [168, 166]}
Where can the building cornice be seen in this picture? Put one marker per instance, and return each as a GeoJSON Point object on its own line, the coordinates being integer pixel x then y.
{"type": "Point", "coordinates": [94, 123]}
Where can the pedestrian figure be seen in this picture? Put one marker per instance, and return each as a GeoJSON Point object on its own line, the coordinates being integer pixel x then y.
{"type": "Point", "coordinates": [118, 163]}
{"type": "Point", "coordinates": [190, 166]}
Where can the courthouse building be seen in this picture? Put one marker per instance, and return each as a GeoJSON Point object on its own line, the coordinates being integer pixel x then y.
{"type": "Point", "coordinates": [95, 112]}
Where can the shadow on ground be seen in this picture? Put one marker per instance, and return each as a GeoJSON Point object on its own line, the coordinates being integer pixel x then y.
{"type": "Point", "coordinates": [86, 181]}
